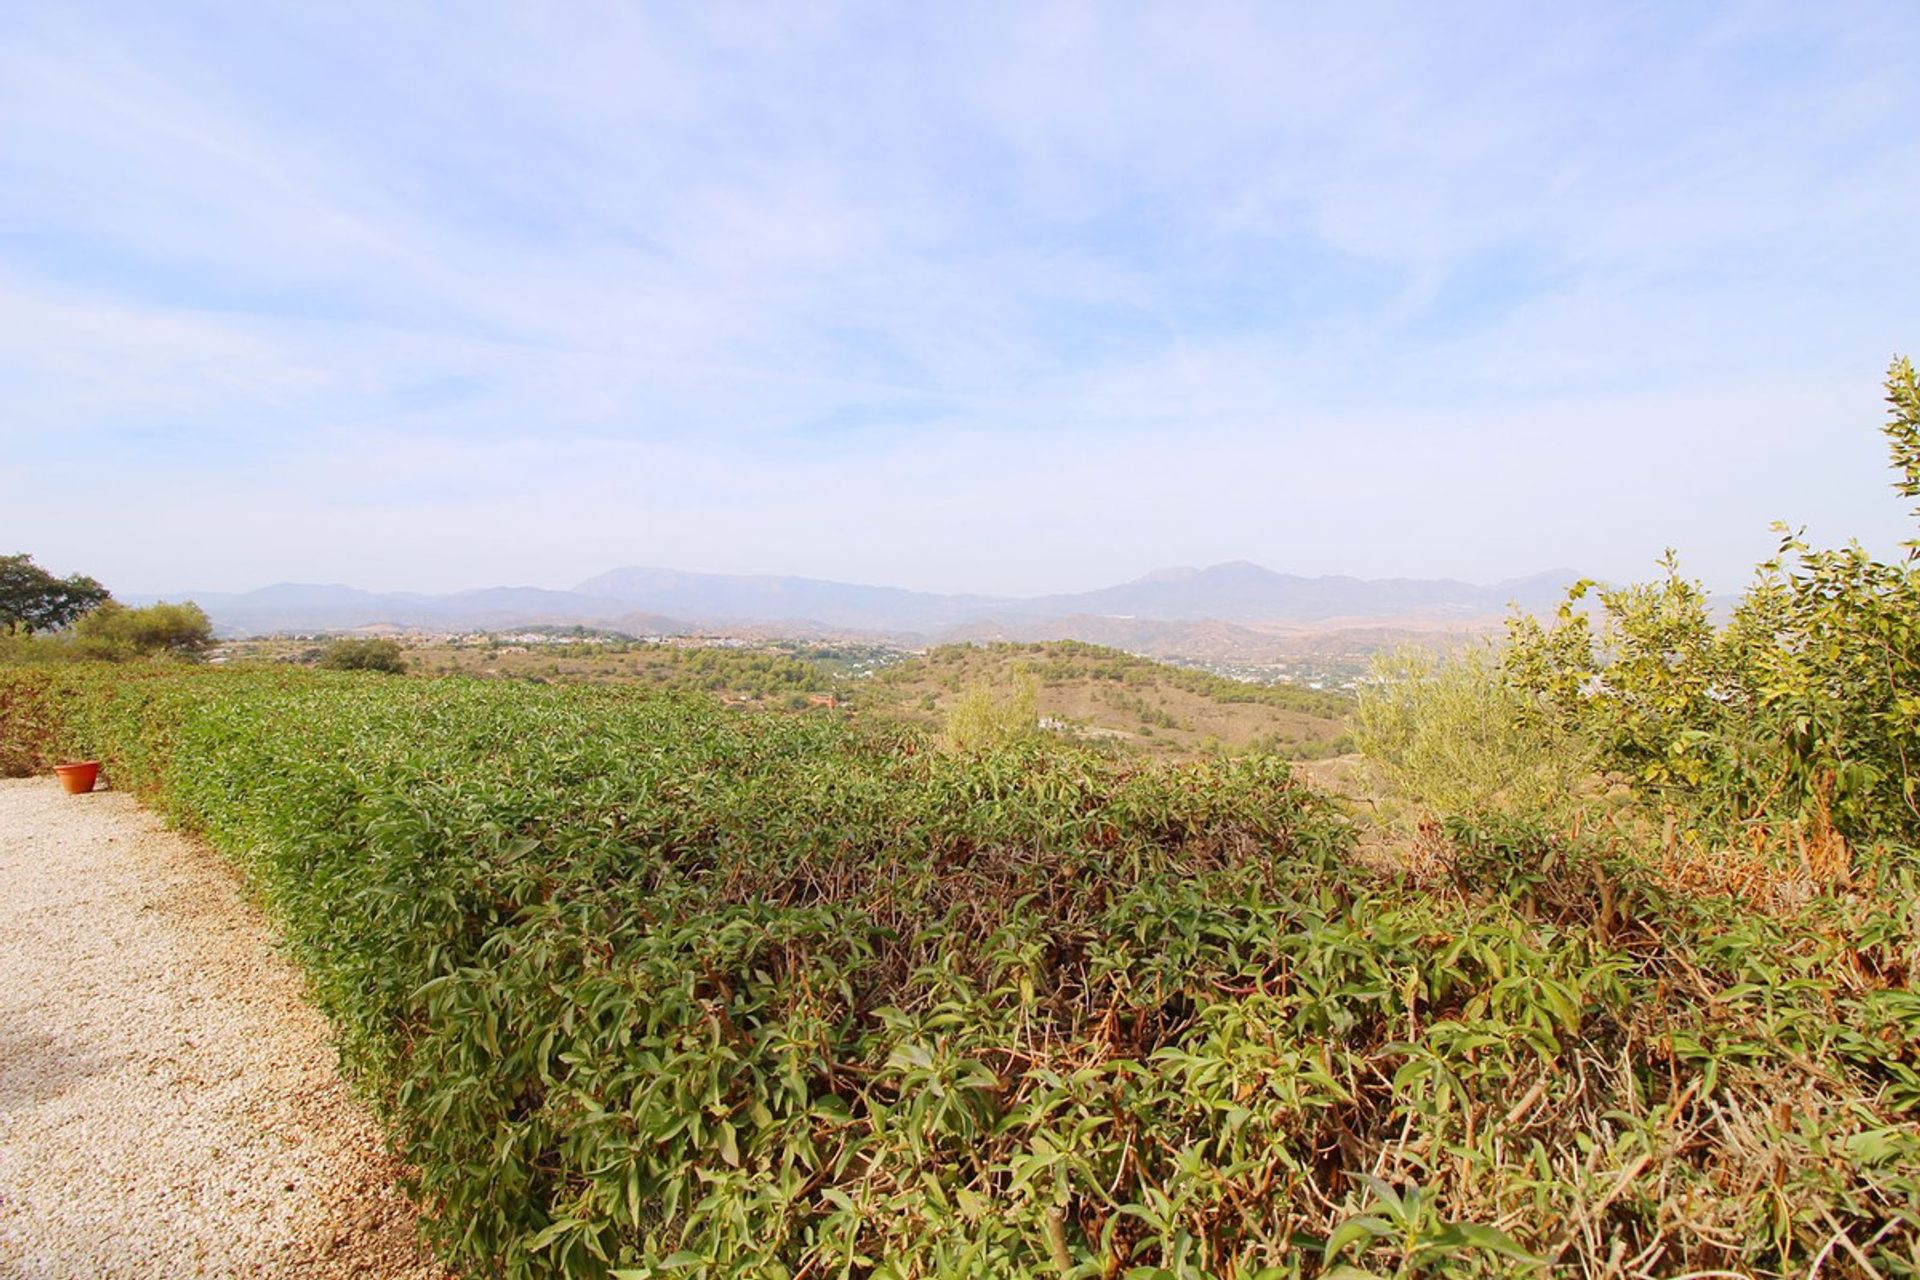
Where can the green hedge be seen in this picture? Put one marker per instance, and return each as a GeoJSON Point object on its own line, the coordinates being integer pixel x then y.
{"type": "Point", "coordinates": [646, 987]}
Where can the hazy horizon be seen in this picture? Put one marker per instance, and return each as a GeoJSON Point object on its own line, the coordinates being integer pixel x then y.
{"type": "Point", "coordinates": [1011, 300]}
{"type": "Point", "coordinates": [1143, 576]}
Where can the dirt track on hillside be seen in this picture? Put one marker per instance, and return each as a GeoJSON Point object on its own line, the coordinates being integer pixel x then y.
{"type": "Point", "coordinates": [169, 1104]}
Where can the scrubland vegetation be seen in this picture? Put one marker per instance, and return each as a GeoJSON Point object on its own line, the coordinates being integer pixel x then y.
{"type": "Point", "coordinates": [757, 673]}
{"type": "Point", "coordinates": [646, 987]}
{"type": "Point", "coordinates": [1106, 695]}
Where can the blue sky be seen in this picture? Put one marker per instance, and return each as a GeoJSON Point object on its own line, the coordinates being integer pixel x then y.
{"type": "Point", "coordinates": [998, 298]}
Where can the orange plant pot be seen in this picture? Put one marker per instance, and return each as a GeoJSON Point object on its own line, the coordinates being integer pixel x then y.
{"type": "Point", "coordinates": [78, 778]}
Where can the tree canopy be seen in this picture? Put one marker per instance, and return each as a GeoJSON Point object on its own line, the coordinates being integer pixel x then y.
{"type": "Point", "coordinates": [114, 631]}
{"type": "Point", "coordinates": [31, 599]}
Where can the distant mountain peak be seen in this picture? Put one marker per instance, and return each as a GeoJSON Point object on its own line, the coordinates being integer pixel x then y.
{"type": "Point", "coordinates": [1565, 577]}
{"type": "Point", "coordinates": [1236, 592]}
{"type": "Point", "coordinates": [1238, 569]}
{"type": "Point", "coordinates": [1240, 591]}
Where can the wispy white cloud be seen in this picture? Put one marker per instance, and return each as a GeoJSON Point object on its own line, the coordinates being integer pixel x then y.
{"type": "Point", "coordinates": [1010, 298]}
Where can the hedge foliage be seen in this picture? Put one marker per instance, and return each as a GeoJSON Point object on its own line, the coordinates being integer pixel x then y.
{"type": "Point", "coordinates": [643, 986]}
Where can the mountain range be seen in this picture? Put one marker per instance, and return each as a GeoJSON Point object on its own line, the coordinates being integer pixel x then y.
{"type": "Point", "coordinates": [638, 600]}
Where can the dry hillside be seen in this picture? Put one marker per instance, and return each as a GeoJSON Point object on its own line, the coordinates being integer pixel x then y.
{"type": "Point", "coordinates": [1105, 693]}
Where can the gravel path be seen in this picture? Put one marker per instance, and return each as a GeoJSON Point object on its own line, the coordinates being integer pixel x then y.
{"type": "Point", "coordinates": [168, 1101]}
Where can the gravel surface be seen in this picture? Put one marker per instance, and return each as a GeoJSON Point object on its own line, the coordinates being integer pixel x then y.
{"type": "Point", "coordinates": [169, 1104]}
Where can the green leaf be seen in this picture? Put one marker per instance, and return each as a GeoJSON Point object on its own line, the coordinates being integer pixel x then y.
{"type": "Point", "coordinates": [545, 1238]}
{"type": "Point", "coordinates": [1354, 1230]}
{"type": "Point", "coordinates": [1492, 1240]}
{"type": "Point", "coordinates": [685, 1258]}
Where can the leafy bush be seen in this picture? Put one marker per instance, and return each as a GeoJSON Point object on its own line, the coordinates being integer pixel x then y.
{"type": "Point", "coordinates": [645, 987]}
{"type": "Point", "coordinates": [1446, 735]}
{"type": "Point", "coordinates": [112, 632]}
{"type": "Point", "coordinates": [1800, 714]}
{"type": "Point", "coordinates": [347, 654]}
{"type": "Point", "coordinates": [983, 718]}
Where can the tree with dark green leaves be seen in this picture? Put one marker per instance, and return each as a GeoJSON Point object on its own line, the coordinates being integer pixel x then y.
{"type": "Point", "coordinates": [31, 599]}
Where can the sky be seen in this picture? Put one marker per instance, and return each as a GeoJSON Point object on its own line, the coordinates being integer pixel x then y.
{"type": "Point", "coordinates": [1000, 298]}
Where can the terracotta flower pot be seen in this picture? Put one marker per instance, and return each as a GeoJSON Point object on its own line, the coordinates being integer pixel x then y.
{"type": "Point", "coordinates": [78, 778]}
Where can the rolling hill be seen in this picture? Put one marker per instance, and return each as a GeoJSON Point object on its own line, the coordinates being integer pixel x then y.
{"type": "Point", "coordinates": [1094, 692]}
